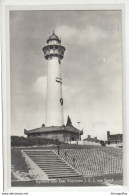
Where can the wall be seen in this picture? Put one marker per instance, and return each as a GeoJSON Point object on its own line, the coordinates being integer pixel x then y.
{"type": "Point", "coordinates": [84, 143]}
{"type": "Point", "coordinates": [61, 136]}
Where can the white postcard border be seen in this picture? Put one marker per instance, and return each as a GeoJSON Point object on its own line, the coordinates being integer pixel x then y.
{"type": "Point", "coordinates": [60, 5]}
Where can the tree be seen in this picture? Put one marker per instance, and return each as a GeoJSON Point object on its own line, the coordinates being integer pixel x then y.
{"type": "Point", "coordinates": [69, 122]}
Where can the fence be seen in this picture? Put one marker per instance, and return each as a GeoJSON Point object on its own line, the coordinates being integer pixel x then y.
{"type": "Point", "coordinates": [92, 160]}
{"type": "Point", "coordinates": [84, 143]}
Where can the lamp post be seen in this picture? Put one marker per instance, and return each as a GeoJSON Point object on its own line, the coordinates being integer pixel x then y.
{"type": "Point", "coordinates": [79, 129]}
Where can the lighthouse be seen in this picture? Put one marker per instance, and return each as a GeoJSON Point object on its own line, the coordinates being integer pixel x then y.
{"type": "Point", "coordinates": [54, 127]}
{"type": "Point", "coordinates": [54, 53]}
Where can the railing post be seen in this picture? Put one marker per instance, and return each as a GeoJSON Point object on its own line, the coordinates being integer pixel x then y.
{"type": "Point", "coordinates": [74, 162]}
{"type": "Point", "coordinates": [58, 148]}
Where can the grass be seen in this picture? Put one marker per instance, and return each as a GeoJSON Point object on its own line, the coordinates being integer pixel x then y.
{"type": "Point", "coordinates": [92, 161]}
{"type": "Point", "coordinates": [17, 160]}
{"type": "Point", "coordinates": [19, 167]}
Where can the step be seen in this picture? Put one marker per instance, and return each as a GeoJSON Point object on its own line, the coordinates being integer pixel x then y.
{"type": "Point", "coordinates": [63, 170]}
{"type": "Point", "coordinates": [39, 152]}
{"type": "Point", "coordinates": [35, 158]}
{"type": "Point", "coordinates": [60, 176]}
{"type": "Point", "coordinates": [47, 159]}
{"type": "Point", "coordinates": [74, 177]}
{"type": "Point", "coordinates": [43, 156]}
{"type": "Point", "coordinates": [64, 176]}
{"type": "Point", "coordinates": [60, 172]}
{"type": "Point", "coordinates": [52, 164]}
{"type": "Point", "coordinates": [55, 168]}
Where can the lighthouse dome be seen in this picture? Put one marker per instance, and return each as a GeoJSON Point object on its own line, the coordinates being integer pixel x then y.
{"type": "Point", "coordinates": [53, 37]}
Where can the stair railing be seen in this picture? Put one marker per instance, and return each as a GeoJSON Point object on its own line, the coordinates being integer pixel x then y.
{"type": "Point", "coordinates": [73, 159]}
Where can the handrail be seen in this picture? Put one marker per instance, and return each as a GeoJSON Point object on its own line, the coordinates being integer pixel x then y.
{"type": "Point", "coordinates": [73, 159]}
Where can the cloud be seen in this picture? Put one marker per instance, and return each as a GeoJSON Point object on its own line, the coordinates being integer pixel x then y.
{"type": "Point", "coordinates": [91, 68]}
{"type": "Point", "coordinates": [69, 93]}
{"type": "Point", "coordinates": [40, 86]}
{"type": "Point", "coordinates": [89, 34]}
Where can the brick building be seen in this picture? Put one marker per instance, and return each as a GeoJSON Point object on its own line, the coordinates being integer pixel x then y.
{"type": "Point", "coordinates": [114, 139]}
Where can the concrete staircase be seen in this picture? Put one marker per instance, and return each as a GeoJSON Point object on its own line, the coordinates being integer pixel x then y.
{"type": "Point", "coordinates": [52, 164]}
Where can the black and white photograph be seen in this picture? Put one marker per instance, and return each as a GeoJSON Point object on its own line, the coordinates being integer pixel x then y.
{"type": "Point", "coordinates": [66, 98]}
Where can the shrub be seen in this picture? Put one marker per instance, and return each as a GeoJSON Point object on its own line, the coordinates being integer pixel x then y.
{"type": "Point", "coordinates": [23, 141]}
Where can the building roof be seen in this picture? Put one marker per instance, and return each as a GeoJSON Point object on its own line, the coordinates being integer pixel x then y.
{"type": "Point", "coordinates": [53, 36]}
{"type": "Point", "coordinates": [44, 129]}
{"type": "Point", "coordinates": [91, 139]}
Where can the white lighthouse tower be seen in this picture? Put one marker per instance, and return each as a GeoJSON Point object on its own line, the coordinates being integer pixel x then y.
{"type": "Point", "coordinates": [54, 53]}
{"type": "Point", "coordinates": [54, 127]}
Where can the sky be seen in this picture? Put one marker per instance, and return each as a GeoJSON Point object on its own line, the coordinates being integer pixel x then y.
{"type": "Point", "coordinates": [91, 69]}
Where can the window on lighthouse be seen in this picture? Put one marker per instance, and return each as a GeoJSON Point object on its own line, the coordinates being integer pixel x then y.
{"type": "Point", "coordinates": [53, 42]}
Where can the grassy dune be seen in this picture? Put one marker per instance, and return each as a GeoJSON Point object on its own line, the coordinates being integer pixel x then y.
{"type": "Point", "coordinates": [92, 161]}
{"type": "Point", "coordinates": [19, 168]}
